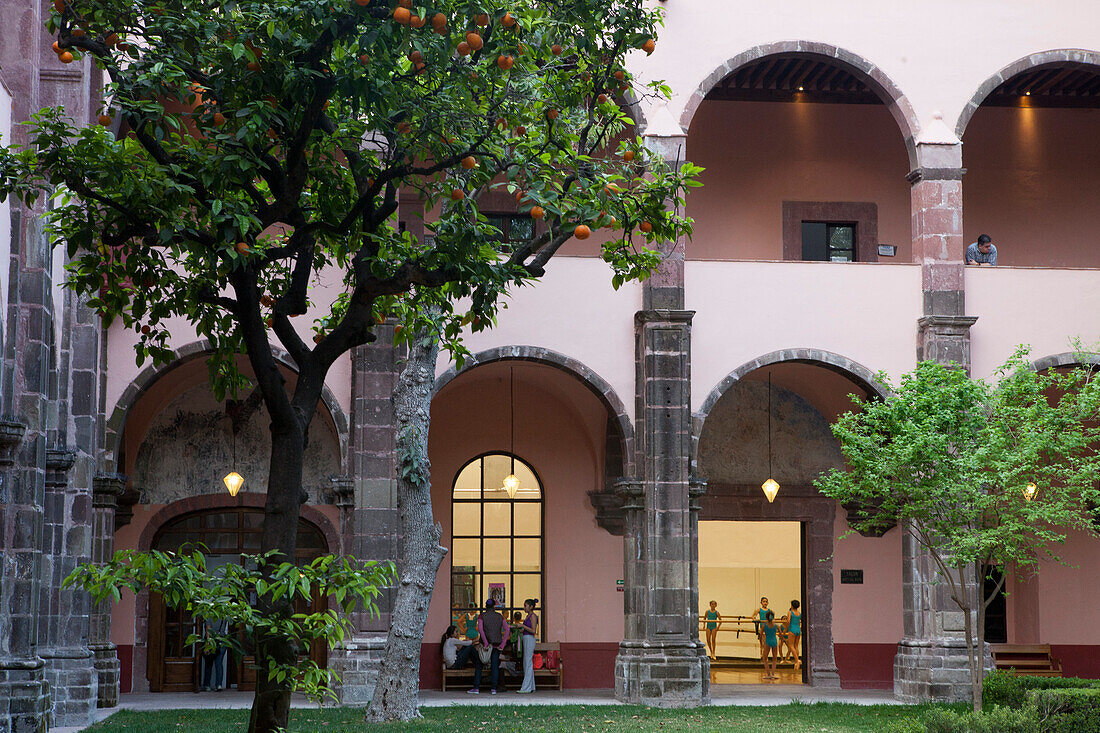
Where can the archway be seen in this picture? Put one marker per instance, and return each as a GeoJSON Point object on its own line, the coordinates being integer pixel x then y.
{"type": "Point", "coordinates": [1032, 156]}
{"type": "Point", "coordinates": [770, 418]}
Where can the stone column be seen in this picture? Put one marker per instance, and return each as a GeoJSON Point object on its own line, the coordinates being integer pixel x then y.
{"type": "Point", "coordinates": [661, 661]}
{"type": "Point", "coordinates": [63, 613]}
{"type": "Point", "coordinates": [106, 490]}
{"type": "Point", "coordinates": [371, 524]}
{"type": "Point", "coordinates": [931, 663]}
{"type": "Point", "coordinates": [24, 693]}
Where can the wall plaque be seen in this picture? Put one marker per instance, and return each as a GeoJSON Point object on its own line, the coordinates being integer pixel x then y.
{"type": "Point", "coordinates": [851, 577]}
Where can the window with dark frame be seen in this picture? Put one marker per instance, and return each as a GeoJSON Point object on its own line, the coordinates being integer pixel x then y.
{"type": "Point", "coordinates": [496, 540]}
{"type": "Point", "coordinates": [824, 241]}
{"type": "Point", "coordinates": [512, 227]}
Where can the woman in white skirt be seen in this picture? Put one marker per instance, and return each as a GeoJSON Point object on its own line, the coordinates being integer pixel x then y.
{"type": "Point", "coordinates": [527, 640]}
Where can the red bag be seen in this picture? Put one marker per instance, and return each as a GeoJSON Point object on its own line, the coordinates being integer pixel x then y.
{"type": "Point", "coordinates": [536, 660]}
{"type": "Point", "coordinates": [552, 658]}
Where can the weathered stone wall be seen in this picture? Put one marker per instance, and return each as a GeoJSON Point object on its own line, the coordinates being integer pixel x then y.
{"type": "Point", "coordinates": [189, 447]}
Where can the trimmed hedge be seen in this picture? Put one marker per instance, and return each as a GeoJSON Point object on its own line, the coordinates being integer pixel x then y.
{"type": "Point", "coordinates": [1010, 689]}
{"type": "Point", "coordinates": [1066, 711]}
{"type": "Point", "coordinates": [945, 720]}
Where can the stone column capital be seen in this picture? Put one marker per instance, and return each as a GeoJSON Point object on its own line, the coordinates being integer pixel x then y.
{"type": "Point", "coordinates": [342, 490]}
{"type": "Point", "coordinates": [663, 315]}
{"type": "Point", "coordinates": [947, 325]}
{"type": "Point", "coordinates": [106, 490]}
{"type": "Point", "coordinates": [58, 463]}
{"type": "Point", "coordinates": [670, 146]}
{"type": "Point", "coordinates": [11, 435]}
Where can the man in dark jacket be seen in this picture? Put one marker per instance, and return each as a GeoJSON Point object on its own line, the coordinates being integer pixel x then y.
{"type": "Point", "coordinates": [492, 636]}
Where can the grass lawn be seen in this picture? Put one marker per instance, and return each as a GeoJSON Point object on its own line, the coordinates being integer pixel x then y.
{"type": "Point", "coordinates": [795, 718]}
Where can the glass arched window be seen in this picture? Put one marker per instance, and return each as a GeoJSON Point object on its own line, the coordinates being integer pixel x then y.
{"type": "Point", "coordinates": [496, 539]}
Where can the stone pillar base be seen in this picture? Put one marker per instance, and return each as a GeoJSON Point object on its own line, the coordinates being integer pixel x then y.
{"type": "Point", "coordinates": [825, 677]}
{"type": "Point", "coordinates": [931, 671]}
{"type": "Point", "coordinates": [357, 662]}
{"type": "Point", "coordinates": [24, 697]}
{"type": "Point", "coordinates": [669, 675]}
{"type": "Point", "coordinates": [72, 680]}
{"type": "Point", "coordinates": [109, 672]}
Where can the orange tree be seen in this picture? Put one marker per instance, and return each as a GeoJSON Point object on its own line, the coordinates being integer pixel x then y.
{"type": "Point", "coordinates": [247, 149]}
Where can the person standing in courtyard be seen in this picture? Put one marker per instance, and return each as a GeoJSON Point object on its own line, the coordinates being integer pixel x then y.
{"type": "Point", "coordinates": [794, 632]}
{"type": "Point", "coordinates": [530, 631]}
{"type": "Point", "coordinates": [982, 252]}
{"type": "Point", "coordinates": [492, 636]}
{"type": "Point", "coordinates": [759, 616]}
{"type": "Point", "coordinates": [713, 619]}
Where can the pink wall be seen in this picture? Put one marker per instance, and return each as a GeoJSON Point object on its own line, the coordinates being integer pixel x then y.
{"type": "Point", "coordinates": [759, 154]}
{"type": "Point", "coordinates": [868, 613]}
{"type": "Point", "coordinates": [560, 432]}
{"type": "Point", "coordinates": [1031, 179]}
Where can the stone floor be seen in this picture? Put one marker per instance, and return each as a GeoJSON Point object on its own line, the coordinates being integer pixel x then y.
{"type": "Point", "coordinates": [721, 694]}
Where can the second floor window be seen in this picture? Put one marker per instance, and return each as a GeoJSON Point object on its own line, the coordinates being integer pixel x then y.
{"type": "Point", "coordinates": [828, 242]}
{"type": "Point", "coordinates": [512, 227]}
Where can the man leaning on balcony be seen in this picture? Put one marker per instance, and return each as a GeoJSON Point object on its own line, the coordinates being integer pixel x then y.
{"type": "Point", "coordinates": [982, 252]}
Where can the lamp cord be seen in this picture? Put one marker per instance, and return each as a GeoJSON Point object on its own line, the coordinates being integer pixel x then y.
{"type": "Point", "coordinates": [512, 418]}
{"type": "Point", "coordinates": [770, 426]}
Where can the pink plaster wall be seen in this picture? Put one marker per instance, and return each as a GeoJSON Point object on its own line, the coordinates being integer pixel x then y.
{"type": "Point", "coordinates": [868, 613]}
{"type": "Point", "coordinates": [1068, 595]}
{"type": "Point", "coordinates": [560, 432]}
{"type": "Point", "coordinates": [759, 154]}
{"type": "Point", "coordinates": [1031, 179]}
{"type": "Point", "coordinates": [1029, 306]}
{"type": "Point", "coordinates": [865, 312]}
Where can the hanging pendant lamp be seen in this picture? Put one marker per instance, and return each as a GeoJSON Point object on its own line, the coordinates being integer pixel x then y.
{"type": "Point", "coordinates": [1029, 491]}
{"type": "Point", "coordinates": [233, 481]}
{"type": "Point", "coordinates": [771, 486]}
{"type": "Point", "coordinates": [511, 481]}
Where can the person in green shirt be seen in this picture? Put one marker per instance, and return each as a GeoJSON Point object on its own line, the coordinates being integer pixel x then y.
{"type": "Point", "coordinates": [713, 619]}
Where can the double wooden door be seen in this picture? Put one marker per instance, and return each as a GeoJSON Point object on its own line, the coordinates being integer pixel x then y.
{"type": "Point", "coordinates": [223, 536]}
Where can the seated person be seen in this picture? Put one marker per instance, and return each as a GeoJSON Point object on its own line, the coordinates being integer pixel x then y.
{"type": "Point", "coordinates": [456, 651]}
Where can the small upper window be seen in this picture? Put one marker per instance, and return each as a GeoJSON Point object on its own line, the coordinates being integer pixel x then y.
{"type": "Point", "coordinates": [512, 227]}
{"type": "Point", "coordinates": [828, 241]}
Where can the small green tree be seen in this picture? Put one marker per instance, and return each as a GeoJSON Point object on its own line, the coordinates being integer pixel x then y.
{"type": "Point", "coordinates": [950, 459]}
{"type": "Point", "coordinates": [243, 595]}
{"type": "Point", "coordinates": [259, 146]}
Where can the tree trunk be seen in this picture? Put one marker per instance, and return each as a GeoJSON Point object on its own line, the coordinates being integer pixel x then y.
{"type": "Point", "coordinates": [271, 704]}
{"type": "Point", "coordinates": [968, 632]}
{"type": "Point", "coordinates": [397, 693]}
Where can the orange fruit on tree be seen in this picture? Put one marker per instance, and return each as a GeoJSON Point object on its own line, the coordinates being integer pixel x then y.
{"type": "Point", "coordinates": [362, 3]}
{"type": "Point", "coordinates": [646, 227]}
{"type": "Point", "coordinates": [457, 194]}
{"type": "Point", "coordinates": [417, 22]}
{"type": "Point", "coordinates": [508, 20]}
{"type": "Point", "coordinates": [620, 75]}
{"type": "Point", "coordinates": [421, 67]}
{"type": "Point", "coordinates": [65, 57]}
{"type": "Point", "coordinates": [520, 193]}
{"type": "Point", "coordinates": [242, 247]}
{"type": "Point", "coordinates": [521, 131]}
{"type": "Point", "coordinates": [537, 212]}
{"type": "Point", "coordinates": [59, 5]}
{"type": "Point", "coordinates": [582, 231]}
{"type": "Point", "coordinates": [364, 59]}
{"type": "Point", "coordinates": [649, 46]}
{"type": "Point", "coordinates": [253, 66]}
{"type": "Point", "coordinates": [111, 39]}
{"type": "Point", "coordinates": [402, 16]}
{"type": "Point", "coordinates": [405, 3]}
{"type": "Point", "coordinates": [439, 23]}
{"type": "Point", "coordinates": [475, 40]}
{"type": "Point", "coordinates": [219, 119]}
{"type": "Point", "coordinates": [56, 47]}
{"type": "Point", "coordinates": [628, 155]}
{"type": "Point", "coordinates": [79, 33]}
{"type": "Point", "coordinates": [267, 301]}
{"type": "Point", "coordinates": [602, 98]}
{"type": "Point", "coordinates": [505, 62]}
{"type": "Point", "coordinates": [145, 330]}
{"type": "Point", "coordinates": [416, 57]}
{"type": "Point", "coordinates": [502, 123]}
{"type": "Point", "coordinates": [317, 338]}
{"type": "Point", "coordinates": [552, 114]}
{"type": "Point", "coordinates": [404, 128]}
{"type": "Point", "coordinates": [555, 49]}
{"type": "Point", "coordinates": [272, 134]}
{"type": "Point", "coordinates": [463, 49]}
{"type": "Point", "coordinates": [482, 19]}
{"type": "Point", "coordinates": [105, 120]}
{"type": "Point", "coordinates": [469, 162]}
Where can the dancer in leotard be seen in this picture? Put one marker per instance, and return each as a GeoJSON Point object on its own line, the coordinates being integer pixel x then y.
{"type": "Point", "coordinates": [771, 645]}
{"type": "Point", "coordinates": [760, 614]}
{"type": "Point", "coordinates": [794, 632]}
{"type": "Point", "coordinates": [713, 618]}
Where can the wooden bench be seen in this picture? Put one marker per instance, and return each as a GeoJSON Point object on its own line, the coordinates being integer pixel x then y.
{"type": "Point", "coordinates": [466, 674]}
{"type": "Point", "coordinates": [1027, 659]}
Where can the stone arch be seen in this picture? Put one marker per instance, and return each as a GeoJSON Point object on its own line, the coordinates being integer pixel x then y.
{"type": "Point", "coordinates": [890, 94]}
{"type": "Point", "coordinates": [1054, 57]}
{"type": "Point", "coordinates": [1066, 359]}
{"type": "Point", "coordinates": [116, 425]}
{"type": "Point", "coordinates": [593, 381]}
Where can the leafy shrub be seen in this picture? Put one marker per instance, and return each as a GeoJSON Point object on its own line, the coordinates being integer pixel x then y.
{"type": "Point", "coordinates": [1010, 689]}
{"type": "Point", "coordinates": [1066, 710]}
{"type": "Point", "coordinates": [945, 720]}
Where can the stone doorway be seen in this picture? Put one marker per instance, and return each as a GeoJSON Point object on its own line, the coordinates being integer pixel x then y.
{"type": "Point", "coordinates": [741, 562]}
